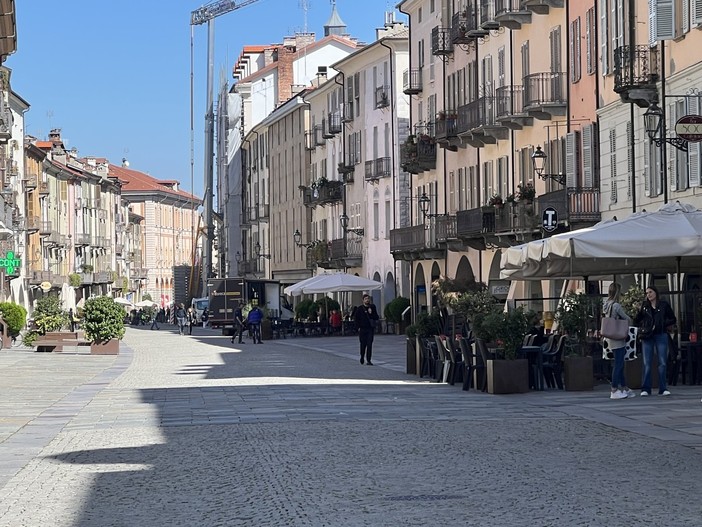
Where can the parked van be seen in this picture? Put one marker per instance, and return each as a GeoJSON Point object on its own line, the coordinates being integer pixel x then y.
{"type": "Point", "coordinates": [199, 305]}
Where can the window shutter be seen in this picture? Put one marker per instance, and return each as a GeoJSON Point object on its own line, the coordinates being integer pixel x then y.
{"type": "Point", "coordinates": [694, 149]}
{"type": "Point", "coordinates": [652, 22]}
{"type": "Point", "coordinates": [629, 156]}
{"type": "Point", "coordinates": [613, 164]}
{"type": "Point", "coordinates": [571, 160]}
{"type": "Point", "coordinates": [665, 19]}
{"type": "Point", "coordinates": [672, 165]}
{"type": "Point", "coordinates": [696, 12]}
{"type": "Point", "coordinates": [685, 16]}
{"type": "Point", "coordinates": [589, 156]}
{"type": "Point", "coordinates": [604, 36]}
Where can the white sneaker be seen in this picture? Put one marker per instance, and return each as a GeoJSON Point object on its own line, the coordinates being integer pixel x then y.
{"type": "Point", "coordinates": [644, 393]}
{"type": "Point", "coordinates": [630, 393]}
{"type": "Point", "coordinates": [665, 392]}
{"type": "Point", "coordinates": [617, 395]}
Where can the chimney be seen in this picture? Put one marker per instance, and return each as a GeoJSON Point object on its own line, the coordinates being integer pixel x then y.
{"type": "Point", "coordinates": [55, 135]}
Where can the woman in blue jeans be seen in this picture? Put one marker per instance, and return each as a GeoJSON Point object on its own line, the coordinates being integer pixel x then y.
{"type": "Point", "coordinates": [612, 308]}
{"type": "Point", "coordinates": [654, 320]}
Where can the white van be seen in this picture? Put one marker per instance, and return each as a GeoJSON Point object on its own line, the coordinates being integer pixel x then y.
{"type": "Point", "coordinates": [199, 305]}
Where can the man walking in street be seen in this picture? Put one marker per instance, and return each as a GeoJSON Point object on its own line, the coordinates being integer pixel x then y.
{"type": "Point", "coordinates": [238, 323]}
{"type": "Point", "coordinates": [154, 320]}
{"type": "Point", "coordinates": [365, 316]}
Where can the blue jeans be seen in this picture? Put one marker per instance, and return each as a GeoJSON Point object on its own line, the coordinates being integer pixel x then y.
{"type": "Point", "coordinates": [618, 380]}
{"type": "Point", "coordinates": [659, 341]}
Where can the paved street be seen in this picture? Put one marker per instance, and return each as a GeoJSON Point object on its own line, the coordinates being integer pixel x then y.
{"type": "Point", "coordinates": [193, 431]}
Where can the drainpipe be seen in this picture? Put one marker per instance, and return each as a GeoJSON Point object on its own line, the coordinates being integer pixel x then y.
{"type": "Point", "coordinates": [632, 48]}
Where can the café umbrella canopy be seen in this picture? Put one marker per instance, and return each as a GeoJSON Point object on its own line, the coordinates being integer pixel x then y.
{"type": "Point", "coordinates": [668, 240]}
{"type": "Point", "coordinates": [146, 303]}
{"type": "Point", "coordinates": [296, 289]}
{"type": "Point", "coordinates": [340, 282]}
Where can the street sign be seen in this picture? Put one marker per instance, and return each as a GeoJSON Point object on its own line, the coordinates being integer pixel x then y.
{"type": "Point", "coordinates": [689, 128]}
{"type": "Point", "coordinates": [549, 219]}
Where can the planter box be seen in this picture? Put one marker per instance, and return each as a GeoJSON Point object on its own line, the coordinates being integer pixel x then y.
{"type": "Point", "coordinates": [578, 374]}
{"type": "Point", "coordinates": [110, 347]}
{"type": "Point", "coordinates": [411, 357]}
{"type": "Point", "coordinates": [266, 330]}
{"type": "Point", "coordinates": [508, 376]}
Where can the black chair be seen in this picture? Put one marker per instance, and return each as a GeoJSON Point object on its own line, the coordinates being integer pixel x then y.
{"type": "Point", "coordinates": [482, 357]}
{"type": "Point", "coordinates": [443, 362]}
{"type": "Point", "coordinates": [427, 358]}
{"type": "Point", "coordinates": [455, 370]}
{"type": "Point", "coordinates": [552, 365]}
{"type": "Point", "coordinates": [468, 363]}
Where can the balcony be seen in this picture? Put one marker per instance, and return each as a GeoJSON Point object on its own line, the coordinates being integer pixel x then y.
{"type": "Point", "coordinates": [378, 169]}
{"type": "Point", "coordinates": [86, 278]}
{"type": "Point", "coordinates": [477, 124]}
{"type": "Point", "coordinates": [446, 232]}
{"type": "Point", "coordinates": [103, 277]}
{"type": "Point", "coordinates": [141, 273]}
{"type": "Point", "coordinates": [418, 154]}
{"type": "Point", "coordinates": [310, 143]}
{"type": "Point", "coordinates": [545, 95]}
{"type": "Point", "coordinates": [338, 254]}
{"type": "Point", "coordinates": [326, 133]}
{"type": "Point", "coordinates": [119, 248]}
{"type": "Point", "coordinates": [32, 224]}
{"type": "Point", "coordinates": [447, 129]}
{"type": "Point", "coordinates": [31, 181]}
{"type": "Point", "coordinates": [415, 243]}
{"type": "Point", "coordinates": [250, 266]}
{"type": "Point", "coordinates": [264, 211]}
{"type": "Point", "coordinates": [541, 7]}
{"type": "Point", "coordinates": [476, 227]}
{"type": "Point", "coordinates": [37, 277]}
{"type": "Point", "coordinates": [45, 228]}
{"type": "Point", "coordinates": [319, 135]}
{"type": "Point", "coordinates": [348, 113]}
{"type": "Point", "coordinates": [6, 122]}
{"type": "Point", "coordinates": [334, 123]}
{"type": "Point", "coordinates": [82, 240]}
{"type": "Point", "coordinates": [636, 74]}
{"type": "Point", "coordinates": [252, 214]}
{"type": "Point", "coordinates": [382, 97]}
{"type": "Point", "coordinates": [464, 27]}
{"type": "Point", "coordinates": [329, 192]}
{"type": "Point", "coordinates": [511, 14]}
{"type": "Point", "coordinates": [441, 41]}
{"type": "Point", "coordinates": [412, 81]}
{"type": "Point", "coordinates": [509, 110]}
{"type": "Point", "coordinates": [487, 15]}
{"type": "Point", "coordinates": [348, 166]}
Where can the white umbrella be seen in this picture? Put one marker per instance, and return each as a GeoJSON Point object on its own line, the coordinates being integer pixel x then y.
{"type": "Point", "coordinates": [146, 303]}
{"type": "Point", "coordinates": [339, 282]}
{"type": "Point", "coordinates": [667, 240]}
{"type": "Point", "coordinates": [296, 289]}
{"type": "Point", "coordinates": [123, 302]}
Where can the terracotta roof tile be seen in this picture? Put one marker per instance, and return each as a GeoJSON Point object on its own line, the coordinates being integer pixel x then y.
{"type": "Point", "coordinates": [136, 181]}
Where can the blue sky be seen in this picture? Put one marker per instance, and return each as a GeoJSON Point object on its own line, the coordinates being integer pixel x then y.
{"type": "Point", "coordinates": [115, 76]}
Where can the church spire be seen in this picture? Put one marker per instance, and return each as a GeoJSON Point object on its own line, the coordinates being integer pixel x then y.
{"type": "Point", "coordinates": [334, 26]}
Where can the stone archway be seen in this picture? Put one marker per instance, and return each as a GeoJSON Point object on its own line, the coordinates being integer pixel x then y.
{"type": "Point", "coordinates": [419, 295]}
{"type": "Point", "coordinates": [377, 295]}
{"type": "Point", "coordinates": [435, 275]}
{"type": "Point", "coordinates": [464, 271]}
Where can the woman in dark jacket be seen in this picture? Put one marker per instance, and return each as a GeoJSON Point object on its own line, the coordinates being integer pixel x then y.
{"type": "Point", "coordinates": [654, 320]}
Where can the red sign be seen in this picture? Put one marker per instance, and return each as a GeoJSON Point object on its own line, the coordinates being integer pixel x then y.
{"type": "Point", "coordinates": [689, 128]}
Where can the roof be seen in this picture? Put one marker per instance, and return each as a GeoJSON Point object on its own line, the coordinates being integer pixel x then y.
{"type": "Point", "coordinates": [138, 182]}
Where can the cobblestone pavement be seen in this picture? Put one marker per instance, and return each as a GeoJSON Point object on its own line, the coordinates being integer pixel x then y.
{"type": "Point", "coordinates": [194, 431]}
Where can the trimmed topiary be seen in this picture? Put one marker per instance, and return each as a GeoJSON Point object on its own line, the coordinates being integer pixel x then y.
{"type": "Point", "coordinates": [393, 309]}
{"type": "Point", "coordinates": [15, 316]}
{"type": "Point", "coordinates": [103, 319]}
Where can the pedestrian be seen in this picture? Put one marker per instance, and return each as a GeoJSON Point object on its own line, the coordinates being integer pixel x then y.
{"type": "Point", "coordinates": [72, 319]}
{"type": "Point", "coordinates": [654, 320]}
{"type": "Point", "coordinates": [181, 318]}
{"type": "Point", "coordinates": [192, 320]}
{"type": "Point", "coordinates": [254, 319]}
{"type": "Point", "coordinates": [154, 320]}
{"type": "Point", "coordinates": [205, 317]}
{"type": "Point", "coordinates": [612, 308]}
{"type": "Point", "coordinates": [238, 323]}
{"type": "Point", "coordinates": [365, 316]}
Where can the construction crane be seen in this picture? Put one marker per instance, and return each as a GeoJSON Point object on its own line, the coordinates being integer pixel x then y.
{"type": "Point", "coordinates": [208, 13]}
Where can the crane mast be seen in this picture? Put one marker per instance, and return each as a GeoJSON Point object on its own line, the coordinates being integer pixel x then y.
{"type": "Point", "coordinates": [208, 13]}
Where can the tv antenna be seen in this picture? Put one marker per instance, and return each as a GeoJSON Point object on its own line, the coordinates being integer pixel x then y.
{"type": "Point", "coordinates": [305, 6]}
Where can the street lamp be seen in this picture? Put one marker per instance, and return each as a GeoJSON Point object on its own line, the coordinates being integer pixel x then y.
{"type": "Point", "coordinates": [538, 159]}
{"type": "Point", "coordinates": [344, 220]}
{"type": "Point", "coordinates": [424, 205]}
{"type": "Point", "coordinates": [653, 120]}
{"type": "Point", "coordinates": [257, 247]}
{"type": "Point", "coordinates": [298, 239]}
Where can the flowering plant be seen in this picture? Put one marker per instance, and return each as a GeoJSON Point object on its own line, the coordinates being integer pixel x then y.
{"type": "Point", "coordinates": [495, 200]}
{"type": "Point", "coordinates": [526, 192]}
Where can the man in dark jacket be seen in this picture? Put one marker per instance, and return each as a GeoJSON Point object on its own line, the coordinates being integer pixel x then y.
{"type": "Point", "coordinates": [365, 316]}
{"type": "Point", "coordinates": [255, 317]}
{"type": "Point", "coordinates": [238, 324]}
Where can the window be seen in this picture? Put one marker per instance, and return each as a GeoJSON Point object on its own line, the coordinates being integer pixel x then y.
{"type": "Point", "coordinates": [591, 50]}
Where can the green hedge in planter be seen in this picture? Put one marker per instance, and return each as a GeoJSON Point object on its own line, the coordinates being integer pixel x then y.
{"type": "Point", "coordinates": [103, 319]}
{"type": "Point", "coordinates": [14, 315]}
{"type": "Point", "coordinates": [75, 280]}
{"type": "Point", "coordinates": [48, 316]}
{"type": "Point", "coordinates": [393, 310]}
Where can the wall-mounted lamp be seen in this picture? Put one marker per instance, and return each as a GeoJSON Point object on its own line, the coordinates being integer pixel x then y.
{"type": "Point", "coordinates": [653, 120]}
{"type": "Point", "coordinates": [538, 159]}
{"type": "Point", "coordinates": [257, 247]}
{"type": "Point", "coordinates": [298, 239]}
{"type": "Point", "coordinates": [425, 205]}
{"type": "Point", "coordinates": [344, 220]}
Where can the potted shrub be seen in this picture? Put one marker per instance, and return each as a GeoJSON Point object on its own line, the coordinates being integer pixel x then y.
{"type": "Point", "coordinates": [393, 313]}
{"type": "Point", "coordinates": [48, 317]}
{"type": "Point", "coordinates": [508, 374]}
{"type": "Point", "coordinates": [15, 317]}
{"type": "Point", "coordinates": [303, 309]}
{"type": "Point", "coordinates": [574, 315]}
{"type": "Point", "coordinates": [526, 192]}
{"type": "Point", "coordinates": [495, 201]}
{"type": "Point", "coordinates": [103, 322]}
{"type": "Point", "coordinates": [75, 280]}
